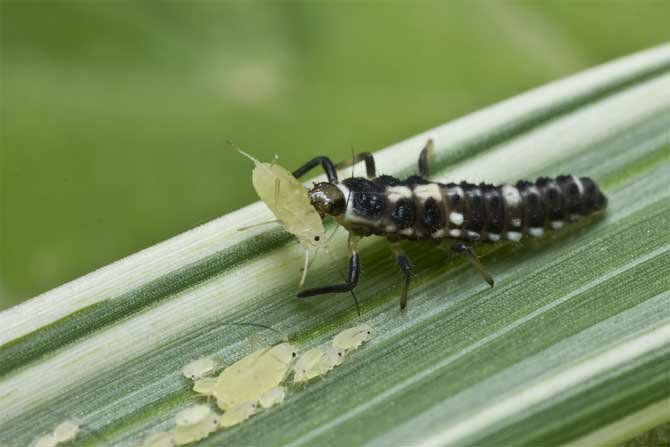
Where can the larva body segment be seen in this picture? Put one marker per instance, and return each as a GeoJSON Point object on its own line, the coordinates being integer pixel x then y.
{"type": "Point", "coordinates": [417, 209]}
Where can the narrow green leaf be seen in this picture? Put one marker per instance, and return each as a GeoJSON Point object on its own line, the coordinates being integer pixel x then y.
{"type": "Point", "coordinates": [571, 345]}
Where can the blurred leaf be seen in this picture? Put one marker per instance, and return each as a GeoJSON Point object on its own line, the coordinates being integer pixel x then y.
{"type": "Point", "coordinates": [572, 344]}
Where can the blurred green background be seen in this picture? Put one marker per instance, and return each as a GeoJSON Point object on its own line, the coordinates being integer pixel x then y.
{"type": "Point", "coordinates": [114, 114]}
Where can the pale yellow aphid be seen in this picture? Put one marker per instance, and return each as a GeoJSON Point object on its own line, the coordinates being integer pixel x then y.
{"type": "Point", "coordinates": [332, 357]}
{"type": "Point", "coordinates": [352, 338]}
{"type": "Point", "coordinates": [47, 440]}
{"type": "Point", "coordinates": [194, 423]}
{"type": "Point", "coordinates": [238, 413]}
{"type": "Point", "coordinates": [288, 200]}
{"type": "Point", "coordinates": [160, 439]}
{"type": "Point", "coordinates": [248, 378]}
{"type": "Point", "coordinates": [66, 431]}
{"type": "Point", "coordinates": [272, 397]}
{"type": "Point", "coordinates": [205, 386]}
{"type": "Point", "coordinates": [307, 365]}
{"type": "Point", "coordinates": [199, 368]}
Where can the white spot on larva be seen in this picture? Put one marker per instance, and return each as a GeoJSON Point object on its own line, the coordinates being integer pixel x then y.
{"type": "Point", "coordinates": [437, 234]}
{"type": "Point", "coordinates": [194, 423]}
{"type": "Point", "coordinates": [455, 233]}
{"type": "Point", "coordinates": [272, 397]}
{"type": "Point", "coordinates": [511, 196]}
{"type": "Point", "coordinates": [395, 193]}
{"type": "Point", "coordinates": [472, 235]}
{"type": "Point", "coordinates": [557, 224]}
{"type": "Point", "coordinates": [493, 237]}
{"type": "Point", "coordinates": [160, 439]}
{"type": "Point", "coordinates": [407, 231]}
{"type": "Point", "coordinates": [516, 222]}
{"type": "Point", "coordinates": [238, 414]}
{"type": "Point", "coordinates": [456, 218]}
{"type": "Point", "coordinates": [455, 191]}
{"type": "Point", "coordinates": [429, 191]}
{"type": "Point", "coordinates": [579, 184]}
{"type": "Point", "coordinates": [536, 231]}
{"type": "Point", "coordinates": [198, 369]}
{"type": "Point", "coordinates": [352, 338]}
{"type": "Point", "coordinates": [391, 228]}
{"type": "Point", "coordinates": [513, 235]}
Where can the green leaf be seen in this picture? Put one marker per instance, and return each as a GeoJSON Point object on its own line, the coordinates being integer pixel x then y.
{"type": "Point", "coordinates": [572, 345]}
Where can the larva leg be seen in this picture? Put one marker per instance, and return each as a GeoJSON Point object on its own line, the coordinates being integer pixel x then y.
{"type": "Point", "coordinates": [367, 157]}
{"type": "Point", "coordinates": [352, 279]}
{"type": "Point", "coordinates": [406, 269]}
{"type": "Point", "coordinates": [424, 159]}
{"type": "Point", "coordinates": [471, 256]}
{"type": "Point", "coordinates": [325, 162]}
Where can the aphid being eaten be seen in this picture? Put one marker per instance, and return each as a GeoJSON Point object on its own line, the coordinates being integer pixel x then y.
{"type": "Point", "coordinates": [285, 196]}
{"type": "Point", "coordinates": [248, 378]}
{"type": "Point", "coordinates": [195, 423]}
{"type": "Point", "coordinates": [352, 338]}
{"type": "Point", "coordinates": [449, 215]}
{"type": "Point", "coordinates": [199, 368]}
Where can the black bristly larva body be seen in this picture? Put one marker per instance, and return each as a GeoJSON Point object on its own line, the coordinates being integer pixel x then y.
{"type": "Point", "coordinates": [448, 214]}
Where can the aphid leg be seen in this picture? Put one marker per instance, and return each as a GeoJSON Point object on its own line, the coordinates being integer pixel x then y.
{"type": "Point", "coordinates": [304, 269]}
{"type": "Point", "coordinates": [348, 284]}
{"type": "Point", "coordinates": [277, 188]}
{"type": "Point", "coordinates": [471, 256]}
{"type": "Point", "coordinates": [424, 159]}
{"type": "Point", "coordinates": [406, 269]}
{"type": "Point", "coordinates": [367, 157]}
{"type": "Point", "coordinates": [325, 162]}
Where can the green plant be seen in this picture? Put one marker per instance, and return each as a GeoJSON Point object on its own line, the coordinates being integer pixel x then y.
{"type": "Point", "coordinates": [572, 344]}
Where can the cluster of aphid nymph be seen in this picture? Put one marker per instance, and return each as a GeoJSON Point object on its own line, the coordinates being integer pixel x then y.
{"type": "Point", "coordinates": [452, 216]}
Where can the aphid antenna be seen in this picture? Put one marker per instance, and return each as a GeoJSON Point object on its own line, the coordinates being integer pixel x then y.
{"type": "Point", "coordinates": [260, 224]}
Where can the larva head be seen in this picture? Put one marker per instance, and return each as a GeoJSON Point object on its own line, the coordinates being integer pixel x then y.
{"type": "Point", "coordinates": [327, 198]}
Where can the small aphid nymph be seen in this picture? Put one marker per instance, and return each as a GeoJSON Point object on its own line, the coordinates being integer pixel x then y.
{"type": "Point", "coordinates": [67, 431]}
{"type": "Point", "coordinates": [352, 338]}
{"type": "Point", "coordinates": [199, 368]}
{"type": "Point", "coordinates": [272, 397]}
{"type": "Point", "coordinates": [195, 423]}
{"type": "Point", "coordinates": [159, 439]}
